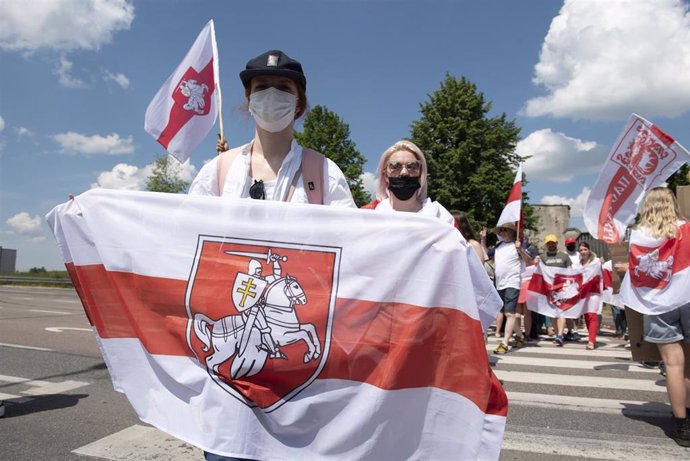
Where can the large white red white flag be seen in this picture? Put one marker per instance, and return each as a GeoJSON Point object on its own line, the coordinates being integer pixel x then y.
{"type": "Point", "coordinates": [642, 158]}
{"type": "Point", "coordinates": [557, 292]}
{"type": "Point", "coordinates": [512, 213]}
{"type": "Point", "coordinates": [266, 330]}
{"type": "Point", "coordinates": [186, 107]}
{"type": "Point", "coordinates": [658, 277]}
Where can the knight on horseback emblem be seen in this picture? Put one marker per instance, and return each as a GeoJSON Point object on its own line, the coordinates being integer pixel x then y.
{"type": "Point", "coordinates": [250, 319]}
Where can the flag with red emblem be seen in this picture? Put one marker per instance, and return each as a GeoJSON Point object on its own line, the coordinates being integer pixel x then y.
{"type": "Point", "coordinates": [512, 213]}
{"type": "Point", "coordinates": [236, 331]}
{"type": "Point", "coordinates": [642, 158]}
{"type": "Point", "coordinates": [558, 292]}
{"type": "Point", "coordinates": [658, 277]}
{"type": "Point", "coordinates": [186, 107]}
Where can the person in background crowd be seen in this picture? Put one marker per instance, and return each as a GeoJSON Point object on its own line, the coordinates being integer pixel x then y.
{"type": "Point", "coordinates": [588, 257]}
{"type": "Point", "coordinates": [555, 258]}
{"type": "Point", "coordinates": [660, 218]}
{"type": "Point", "coordinates": [491, 270]}
{"type": "Point", "coordinates": [572, 251]}
{"type": "Point", "coordinates": [620, 321]}
{"type": "Point", "coordinates": [271, 166]}
{"type": "Point", "coordinates": [530, 325]}
{"type": "Point", "coordinates": [510, 259]}
{"type": "Point", "coordinates": [466, 230]}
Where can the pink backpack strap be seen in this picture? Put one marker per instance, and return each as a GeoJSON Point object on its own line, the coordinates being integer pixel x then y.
{"type": "Point", "coordinates": [312, 170]}
{"type": "Point", "coordinates": [224, 161]}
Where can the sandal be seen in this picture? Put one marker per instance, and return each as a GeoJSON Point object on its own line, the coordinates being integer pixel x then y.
{"type": "Point", "coordinates": [590, 346]}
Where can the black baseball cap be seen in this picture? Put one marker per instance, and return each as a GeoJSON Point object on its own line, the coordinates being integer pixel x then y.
{"type": "Point", "coordinates": [274, 62]}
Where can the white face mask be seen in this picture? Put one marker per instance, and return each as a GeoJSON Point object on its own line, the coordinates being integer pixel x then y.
{"type": "Point", "coordinates": [272, 109]}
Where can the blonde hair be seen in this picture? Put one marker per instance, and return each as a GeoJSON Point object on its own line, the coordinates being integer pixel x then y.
{"type": "Point", "coordinates": [382, 179]}
{"type": "Point", "coordinates": [660, 213]}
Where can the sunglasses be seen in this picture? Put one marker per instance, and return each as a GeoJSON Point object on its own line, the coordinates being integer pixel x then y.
{"type": "Point", "coordinates": [412, 167]}
{"type": "Point", "coordinates": [257, 190]}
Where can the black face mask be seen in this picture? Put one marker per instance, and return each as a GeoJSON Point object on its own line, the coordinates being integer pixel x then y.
{"type": "Point", "coordinates": [570, 247]}
{"type": "Point", "coordinates": [403, 187]}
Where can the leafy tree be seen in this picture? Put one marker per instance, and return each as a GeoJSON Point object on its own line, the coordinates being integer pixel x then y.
{"type": "Point", "coordinates": [325, 132]}
{"type": "Point", "coordinates": [679, 178]}
{"type": "Point", "coordinates": [38, 270]}
{"type": "Point", "coordinates": [471, 156]}
{"type": "Point", "coordinates": [166, 176]}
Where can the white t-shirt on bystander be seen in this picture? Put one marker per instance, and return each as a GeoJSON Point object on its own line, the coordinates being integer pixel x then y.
{"type": "Point", "coordinates": [508, 266]}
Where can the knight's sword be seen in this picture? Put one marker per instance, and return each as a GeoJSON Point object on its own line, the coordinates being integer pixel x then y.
{"type": "Point", "coordinates": [249, 254]}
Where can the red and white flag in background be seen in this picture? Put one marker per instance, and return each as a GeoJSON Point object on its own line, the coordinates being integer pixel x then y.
{"type": "Point", "coordinates": [642, 158]}
{"type": "Point", "coordinates": [186, 107]}
{"type": "Point", "coordinates": [512, 213]}
{"type": "Point", "coordinates": [607, 294]}
{"type": "Point", "coordinates": [658, 277]}
{"type": "Point", "coordinates": [557, 292]}
{"type": "Point", "coordinates": [241, 336]}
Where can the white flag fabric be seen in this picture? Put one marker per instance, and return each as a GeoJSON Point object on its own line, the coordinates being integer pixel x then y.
{"type": "Point", "coordinates": [511, 214]}
{"type": "Point", "coordinates": [557, 292]}
{"type": "Point", "coordinates": [267, 330]}
{"type": "Point", "coordinates": [186, 107]}
{"type": "Point", "coordinates": [642, 158]}
{"type": "Point", "coordinates": [607, 281]}
{"type": "Point", "coordinates": [658, 277]}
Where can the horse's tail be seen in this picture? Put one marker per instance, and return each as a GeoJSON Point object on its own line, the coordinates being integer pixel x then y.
{"type": "Point", "coordinates": [201, 324]}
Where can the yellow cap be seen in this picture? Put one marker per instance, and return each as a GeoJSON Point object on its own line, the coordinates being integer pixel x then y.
{"type": "Point", "coordinates": [551, 238]}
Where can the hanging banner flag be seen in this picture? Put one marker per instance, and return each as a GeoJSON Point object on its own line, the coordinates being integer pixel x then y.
{"type": "Point", "coordinates": [557, 292]}
{"type": "Point", "coordinates": [186, 107]}
{"type": "Point", "coordinates": [658, 277]}
{"type": "Point", "coordinates": [265, 330]}
{"type": "Point", "coordinates": [642, 158]}
{"type": "Point", "coordinates": [512, 213]}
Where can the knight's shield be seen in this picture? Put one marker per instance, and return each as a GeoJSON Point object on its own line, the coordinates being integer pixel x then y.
{"type": "Point", "coordinates": [565, 291]}
{"type": "Point", "coordinates": [288, 335]}
{"type": "Point", "coordinates": [246, 291]}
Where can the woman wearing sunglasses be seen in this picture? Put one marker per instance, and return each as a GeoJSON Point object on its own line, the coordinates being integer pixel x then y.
{"type": "Point", "coordinates": [273, 166]}
{"type": "Point", "coordinates": [401, 183]}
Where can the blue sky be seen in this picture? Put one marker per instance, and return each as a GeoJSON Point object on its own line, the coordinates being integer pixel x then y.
{"type": "Point", "coordinates": [76, 77]}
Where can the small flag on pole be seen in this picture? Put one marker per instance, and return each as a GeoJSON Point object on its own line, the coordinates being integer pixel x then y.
{"type": "Point", "coordinates": [186, 107]}
{"type": "Point", "coordinates": [512, 213]}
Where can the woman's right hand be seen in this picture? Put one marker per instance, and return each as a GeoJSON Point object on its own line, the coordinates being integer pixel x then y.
{"type": "Point", "coordinates": [222, 145]}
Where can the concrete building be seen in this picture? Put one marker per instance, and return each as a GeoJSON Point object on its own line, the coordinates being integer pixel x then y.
{"type": "Point", "coordinates": [8, 261]}
{"type": "Point", "coordinates": [553, 219]}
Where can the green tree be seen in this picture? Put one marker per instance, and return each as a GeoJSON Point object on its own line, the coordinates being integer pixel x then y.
{"type": "Point", "coordinates": [679, 178]}
{"type": "Point", "coordinates": [471, 156]}
{"type": "Point", "coordinates": [325, 132]}
{"type": "Point", "coordinates": [165, 176]}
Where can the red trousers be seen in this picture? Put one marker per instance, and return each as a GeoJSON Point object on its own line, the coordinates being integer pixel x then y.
{"type": "Point", "coordinates": [592, 322]}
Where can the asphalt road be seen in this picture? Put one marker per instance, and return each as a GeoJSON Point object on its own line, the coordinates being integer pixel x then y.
{"type": "Point", "coordinates": [565, 403]}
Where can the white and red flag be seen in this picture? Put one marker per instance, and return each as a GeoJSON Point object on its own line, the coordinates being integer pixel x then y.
{"type": "Point", "coordinates": [658, 277]}
{"type": "Point", "coordinates": [557, 292]}
{"type": "Point", "coordinates": [512, 213]}
{"type": "Point", "coordinates": [265, 330]}
{"type": "Point", "coordinates": [186, 107]}
{"type": "Point", "coordinates": [642, 158]}
{"type": "Point", "coordinates": [607, 284]}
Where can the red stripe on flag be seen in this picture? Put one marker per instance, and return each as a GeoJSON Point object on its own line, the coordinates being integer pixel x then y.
{"type": "Point", "coordinates": [620, 188]}
{"type": "Point", "coordinates": [180, 116]}
{"type": "Point", "coordinates": [515, 192]}
{"type": "Point", "coordinates": [663, 137]}
{"type": "Point", "coordinates": [388, 345]}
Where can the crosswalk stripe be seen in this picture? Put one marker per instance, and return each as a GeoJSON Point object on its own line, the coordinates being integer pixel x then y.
{"type": "Point", "coordinates": [140, 442]}
{"type": "Point", "coordinates": [590, 446]}
{"type": "Point", "coordinates": [579, 381]}
{"type": "Point", "coordinates": [571, 363]}
{"type": "Point", "coordinates": [569, 350]}
{"type": "Point", "coordinates": [588, 404]}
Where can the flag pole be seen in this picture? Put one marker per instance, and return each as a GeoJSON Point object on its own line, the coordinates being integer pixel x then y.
{"type": "Point", "coordinates": [221, 134]}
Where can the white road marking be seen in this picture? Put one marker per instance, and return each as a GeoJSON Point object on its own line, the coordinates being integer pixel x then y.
{"type": "Point", "coordinates": [580, 381]}
{"type": "Point", "coordinates": [32, 348]}
{"type": "Point", "coordinates": [39, 387]}
{"type": "Point", "coordinates": [588, 446]}
{"type": "Point", "coordinates": [41, 311]}
{"type": "Point", "coordinates": [513, 359]}
{"type": "Point", "coordinates": [570, 351]}
{"type": "Point", "coordinates": [140, 442]}
{"type": "Point", "coordinates": [588, 404]}
{"type": "Point", "coordinates": [61, 329]}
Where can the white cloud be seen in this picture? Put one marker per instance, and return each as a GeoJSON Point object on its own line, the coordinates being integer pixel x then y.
{"type": "Point", "coordinates": [64, 72]}
{"type": "Point", "coordinates": [602, 60]}
{"type": "Point", "coordinates": [22, 132]}
{"type": "Point", "coordinates": [23, 223]}
{"type": "Point", "coordinates": [577, 204]}
{"type": "Point", "coordinates": [120, 79]}
{"type": "Point", "coordinates": [369, 183]}
{"type": "Point", "coordinates": [130, 177]}
{"type": "Point", "coordinates": [558, 158]}
{"type": "Point", "coordinates": [112, 144]}
{"type": "Point", "coordinates": [65, 25]}
{"type": "Point", "coordinates": [2, 123]}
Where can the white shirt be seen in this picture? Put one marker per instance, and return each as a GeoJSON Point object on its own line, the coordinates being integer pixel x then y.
{"type": "Point", "coordinates": [574, 258]}
{"type": "Point", "coordinates": [429, 208]}
{"type": "Point", "coordinates": [508, 266]}
{"type": "Point", "coordinates": [237, 181]}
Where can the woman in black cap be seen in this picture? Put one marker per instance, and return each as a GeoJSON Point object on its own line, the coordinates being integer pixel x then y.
{"type": "Point", "coordinates": [273, 166]}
